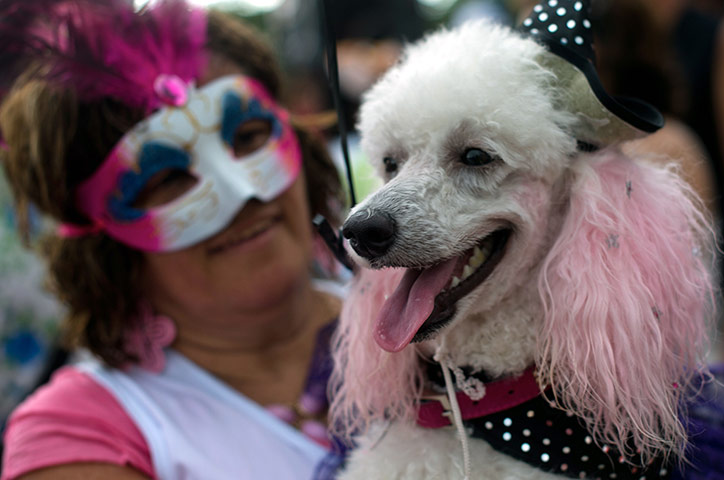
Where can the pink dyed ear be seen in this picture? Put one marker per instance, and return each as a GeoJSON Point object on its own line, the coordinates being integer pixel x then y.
{"type": "Point", "coordinates": [628, 301]}
{"type": "Point", "coordinates": [369, 384]}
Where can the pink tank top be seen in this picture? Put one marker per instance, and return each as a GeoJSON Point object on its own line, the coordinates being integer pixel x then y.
{"type": "Point", "coordinates": [72, 419]}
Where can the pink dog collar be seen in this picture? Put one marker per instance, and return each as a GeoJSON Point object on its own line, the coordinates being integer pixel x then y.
{"type": "Point", "coordinates": [434, 411]}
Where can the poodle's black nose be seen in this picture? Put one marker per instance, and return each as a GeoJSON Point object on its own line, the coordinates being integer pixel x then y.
{"type": "Point", "coordinates": [370, 234]}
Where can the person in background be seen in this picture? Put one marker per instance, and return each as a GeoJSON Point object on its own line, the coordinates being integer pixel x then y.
{"type": "Point", "coordinates": [713, 7]}
{"type": "Point", "coordinates": [370, 37]}
{"type": "Point", "coordinates": [696, 36]}
{"type": "Point", "coordinates": [636, 59]}
{"type": "Point", "coordinates": [183, 194]}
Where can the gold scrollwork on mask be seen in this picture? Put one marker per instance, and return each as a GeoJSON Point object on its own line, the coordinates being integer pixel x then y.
{"type": "Point", "coordinates": [210, 207]}
{"type": "Point", "coordinates": [202, 205]}
{"type": "Point", "coordinates": [193, 197]}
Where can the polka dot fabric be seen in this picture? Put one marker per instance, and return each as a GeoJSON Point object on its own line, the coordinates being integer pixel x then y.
{"type": "Point", "coordinates": [546, 437]}
{"type": "Point", "coordinates": [553, 441]}
{"type": "Point", "coordinates": [564, 22]}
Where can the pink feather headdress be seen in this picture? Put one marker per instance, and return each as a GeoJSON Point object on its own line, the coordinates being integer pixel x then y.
{"type": "Point", "coordinates": [104, 48]}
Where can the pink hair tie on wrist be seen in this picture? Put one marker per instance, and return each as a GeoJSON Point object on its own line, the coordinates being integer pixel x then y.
{"type": "Point", "coordinates": [70, 230]}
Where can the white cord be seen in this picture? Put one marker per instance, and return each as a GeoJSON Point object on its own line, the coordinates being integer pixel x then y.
{"type": "Point", "coordinates": [446, 365]}
{"type": "Point", "coordinates": [471, 386]}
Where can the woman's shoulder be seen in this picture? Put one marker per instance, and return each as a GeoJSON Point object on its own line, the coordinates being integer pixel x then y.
{"type": "Point", "coordinates": [66, 386]}
{"type": "Point", "coordinates": [72, 419]}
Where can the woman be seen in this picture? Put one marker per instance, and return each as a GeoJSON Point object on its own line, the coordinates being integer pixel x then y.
{"type": "Point", "coordinates": [184, 249]}
{"type": "Point", "coordinates": [635, 59]}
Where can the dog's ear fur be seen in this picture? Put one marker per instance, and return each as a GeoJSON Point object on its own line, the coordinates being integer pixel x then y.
{"type": "Point", "coordinates": [369, 384]}
{"type": "Point", "coordinates": [627, 297]}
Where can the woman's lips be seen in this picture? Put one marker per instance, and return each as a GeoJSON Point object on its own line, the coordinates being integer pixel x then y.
{"type": "Point", "coordinates": [245, 234]}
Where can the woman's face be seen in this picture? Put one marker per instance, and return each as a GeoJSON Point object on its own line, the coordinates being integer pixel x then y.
{"type": "Point", "coordinates": [252, 264]}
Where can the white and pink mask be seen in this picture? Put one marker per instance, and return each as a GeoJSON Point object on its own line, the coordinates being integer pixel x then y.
{"type": "Point", "coordinates": [195, 137]}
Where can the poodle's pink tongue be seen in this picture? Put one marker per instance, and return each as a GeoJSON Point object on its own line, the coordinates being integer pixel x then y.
{"type": "Point", "coordinates": [408, 307]}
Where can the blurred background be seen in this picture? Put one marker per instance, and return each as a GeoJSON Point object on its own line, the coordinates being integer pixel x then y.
{"type": "Point", "coordinates": [668, 52]}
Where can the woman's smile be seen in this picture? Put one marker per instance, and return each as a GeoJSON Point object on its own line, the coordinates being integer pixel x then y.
{"type": "Point", "coordinates": [252, 234]}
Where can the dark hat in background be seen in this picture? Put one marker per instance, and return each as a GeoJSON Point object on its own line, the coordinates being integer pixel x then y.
{"type": "Point", "coordinates": [377, 19]}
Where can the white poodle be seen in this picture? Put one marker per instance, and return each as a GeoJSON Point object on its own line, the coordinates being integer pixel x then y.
{"type": "Point", "coordinates": [517, 254]}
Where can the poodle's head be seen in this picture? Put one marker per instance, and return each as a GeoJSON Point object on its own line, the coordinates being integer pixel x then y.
{"type": "Point", "coordinates": [474, 148]}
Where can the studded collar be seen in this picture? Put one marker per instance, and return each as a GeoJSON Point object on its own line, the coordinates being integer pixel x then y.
{"type": "Point", "coordinates": [516, 419]}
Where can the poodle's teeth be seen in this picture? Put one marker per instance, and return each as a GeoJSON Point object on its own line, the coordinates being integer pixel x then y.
{"type": "Point", "coordinates": [477, 259]}
{"type": "Point", "coordinates": [455, 282]}
{"type": "Point", "coordinates": [487, 248]}
{"type": "Point", "coordinates": [467, 271]}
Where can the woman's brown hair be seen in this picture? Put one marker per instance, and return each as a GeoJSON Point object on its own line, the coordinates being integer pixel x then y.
{"type": "Point", "coordinates": [55, 141]}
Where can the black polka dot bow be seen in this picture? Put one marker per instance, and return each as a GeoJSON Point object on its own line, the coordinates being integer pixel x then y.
{"type": "Point", "coordinates": [565, 22]}
{"type": "Point", "coordinates": [564, 28]}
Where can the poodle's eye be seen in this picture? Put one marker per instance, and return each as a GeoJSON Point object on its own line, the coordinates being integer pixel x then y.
{"type": "Point", "coordinates": [390, 164]}
{"type": "Point", "coordinates": [476, 157]}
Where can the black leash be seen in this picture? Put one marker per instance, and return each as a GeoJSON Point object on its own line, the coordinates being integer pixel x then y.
{"type": "Point", "coordinates": [333, 239]}
{"type": "Point", "coordinates": [330, 45]}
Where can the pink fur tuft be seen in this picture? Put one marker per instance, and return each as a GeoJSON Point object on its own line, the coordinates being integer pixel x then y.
{"type": "Point", "coordinates": [627, 296]}
{"type": "Point", "coordinates": [369, 384]}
